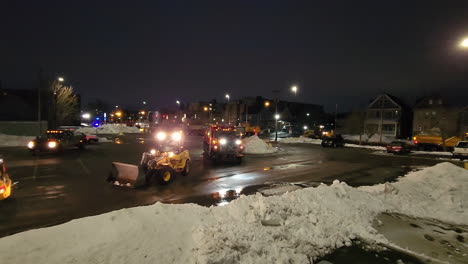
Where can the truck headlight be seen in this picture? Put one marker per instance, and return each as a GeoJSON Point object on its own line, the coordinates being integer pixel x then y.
{"type": "Point", "coordinates": [176, 136]}
{"type": "Point", "coordinates": [52, 144]}
{"type": "Point", "coordinates": [161, 136]}
{"type": "Point", "coordinates": [238, 141]}
{"type": "Point", "coordinates": [31, 144]}
{"type": "Point", "coordinates": [153, 152]}
{"type": "Point", "coordinates": [222, 141]}
{"type": "Point", "coordinates": [170, 154]}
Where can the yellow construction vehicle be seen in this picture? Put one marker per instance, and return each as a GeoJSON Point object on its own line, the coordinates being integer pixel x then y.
{"type": "Point", "coordinates": [434, 143]}
{"type": "Point", "coordinates": [161, 164]}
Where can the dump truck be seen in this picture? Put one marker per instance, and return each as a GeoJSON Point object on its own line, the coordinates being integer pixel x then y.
{"type": "Point", "coordinates": [434, 142]}
{"type": "Point", "coordinates": [159, 165]}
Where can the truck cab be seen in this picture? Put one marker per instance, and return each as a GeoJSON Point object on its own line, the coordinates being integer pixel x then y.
{"type": "Point", "coordinates": [223, 143]}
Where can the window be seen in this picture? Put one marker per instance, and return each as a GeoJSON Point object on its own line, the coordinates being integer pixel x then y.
{"type": "Point", "coordinates": [388, 128]}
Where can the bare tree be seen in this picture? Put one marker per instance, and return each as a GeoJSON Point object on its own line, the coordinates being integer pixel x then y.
{"type": "Point", "coordinates": [66, 103]}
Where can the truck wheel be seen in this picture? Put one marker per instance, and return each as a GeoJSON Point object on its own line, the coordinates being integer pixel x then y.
{"type": "Point", "coordinates": [166, 175]}
{"type": "Point", "coordinates": [150, 177]}
{"type": "Point", "coordinates": [186, 170]}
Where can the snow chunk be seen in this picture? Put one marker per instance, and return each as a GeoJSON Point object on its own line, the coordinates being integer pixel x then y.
{"type": "Point", "coordinates": [14, 141]}
{"type": "Point", "coordinates": [254, 145]}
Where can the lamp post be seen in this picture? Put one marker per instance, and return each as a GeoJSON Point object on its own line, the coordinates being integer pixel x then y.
{"type": "Point", "coordinates": [294, 90]}
{"type": "Point", "coordinates": [56, 88]}
{"type": "Point", "coordinates": [276, 92]}
{"type": "Point", "coordinates": [227, 108]}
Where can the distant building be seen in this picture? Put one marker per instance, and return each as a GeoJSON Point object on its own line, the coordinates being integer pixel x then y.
{"type": "Point", "coordinates": [389, 116]}
{"type": "Point", "coordinates": [434, 115]}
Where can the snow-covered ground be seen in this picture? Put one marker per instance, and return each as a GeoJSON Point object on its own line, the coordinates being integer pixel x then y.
{"type": "Point", "coordinates": [296, 227]}
{"type": "Point", "coordinates": [14, 141]}
{"type": "Point", "coordinates": [108, 129]}
{"type": "Point", "coordinates": [254, 145]}
{"type": "Point", "coordinates": [375, 138]}
{"type": "Point", "coordinates": [293, 140]}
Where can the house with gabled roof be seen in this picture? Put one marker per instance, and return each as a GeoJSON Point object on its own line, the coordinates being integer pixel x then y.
{"type": "Point", "coordinates": [389, 116]}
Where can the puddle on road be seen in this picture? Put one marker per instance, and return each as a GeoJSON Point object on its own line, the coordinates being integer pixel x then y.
{"type": "Point", "coordinates": [431, 238]}
{"type": "Point", "coordinates": [359, 254]}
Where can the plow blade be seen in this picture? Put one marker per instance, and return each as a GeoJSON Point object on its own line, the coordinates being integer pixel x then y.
{"type": "Point", "coordinates": [127, 175]}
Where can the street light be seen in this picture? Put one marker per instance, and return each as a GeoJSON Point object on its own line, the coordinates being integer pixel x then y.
{"type": "Point", "coordinates": [144, 102]}
{"type": "Point", "coordinates": [227, 108]}
{"type": "Point", "coordinates": [294, 90]}
{"type": "Point", "coordinates": [60, 79]}
{"type": "Point", "coordinates": [464, 43]}
{"type": "Point", "coordinates": [267, 104]}
{"type": "Point", "coordinates": [177, 102]}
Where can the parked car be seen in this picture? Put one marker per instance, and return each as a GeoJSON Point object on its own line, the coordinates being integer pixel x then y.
{"type": "Point", "coordinates": [91, 139]}
{"type": "Point", "coordinates": [398, 147]}
{"type": "Point", "coordinates": [5, 181]}
{"type": "Point", "coordinates": [334, 141]}
{"type": "Point", "coordinates": [461, 150]}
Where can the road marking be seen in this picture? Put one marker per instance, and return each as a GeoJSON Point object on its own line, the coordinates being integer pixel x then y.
{"type": "Point", "coordinates": [84, 167]}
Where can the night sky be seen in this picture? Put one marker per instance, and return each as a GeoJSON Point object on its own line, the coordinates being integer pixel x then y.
{"type": "Point", "coordinates": [344, 52]}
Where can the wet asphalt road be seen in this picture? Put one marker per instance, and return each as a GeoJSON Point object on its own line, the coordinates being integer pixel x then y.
{"type": "Point", "coordinates": [54, 189]}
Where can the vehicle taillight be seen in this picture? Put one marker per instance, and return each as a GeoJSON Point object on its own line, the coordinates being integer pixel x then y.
{"type": "Point", "coordinates": [415, 142]}
{"type": "Point", "coordinates": [2, 189]}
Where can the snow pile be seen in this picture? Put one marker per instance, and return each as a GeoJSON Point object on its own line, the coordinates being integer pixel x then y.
{"type": "Point", "coordinates": [293, 228]}
{"type": "Point", "coordinates": [109, 129]}
{"type": "Point", "coordinates": [14, 141]}
{"type": "Point", "coordinates": [437, 192]}
{"type": "Point", "coordinates": [376, 139]}
{"type": "Point", "coordinates": [104, 140]}
{"type": "Point", "coordinates": [254, 145]}
{"type": "Point", "coordinates": [353, 137]}
{"type": "Point", "coordinates": [365, 146]}
{"type": "Point", "coordinates": [293, 140]}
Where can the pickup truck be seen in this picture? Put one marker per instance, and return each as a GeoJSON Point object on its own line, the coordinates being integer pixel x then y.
{"type": "Point", "coordinates": [56, 141]}
{"type": "Point", "coordinates": [461, 150]}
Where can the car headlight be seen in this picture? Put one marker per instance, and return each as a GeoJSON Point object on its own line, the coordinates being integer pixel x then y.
{"type": "Point", "coordinates": [31, 144]}
{"type": "Point", "coordinates": [161, 136]}
{"type": "Point", "coordinates": [176, 136]}
{"type": "Point", "coordinates": [170, 154]}
{"type": "Point", "coordinates": [52, 144]}
{"type": "Point", "coordinates": [238, 141]}
{"type": "Point", "coordinates": [153, 152]}
{"type": "Point", "coordinates": [223, 141]}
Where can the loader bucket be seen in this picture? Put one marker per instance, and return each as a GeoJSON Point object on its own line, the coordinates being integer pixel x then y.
{"type": "Point", "coordinates": [127, 175]}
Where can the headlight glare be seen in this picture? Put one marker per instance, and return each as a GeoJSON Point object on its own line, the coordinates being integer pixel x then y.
{"type": "Point", "coordinates": [170, 154]}
{"type": "Point", "coordinates": [238, 141]}
{"type": "Point", "coordinates": [223, 141]}
{"type": "Point", "coordinates": [176, 136]}
{"type": "Point", "coordinates": [31, 144]}
{"type": "Point", "coordinates": [153, 152]}
{"type": "Point", "coordinates": [52, 144]}
{"type": "Point", "coordinates": [161, 136]}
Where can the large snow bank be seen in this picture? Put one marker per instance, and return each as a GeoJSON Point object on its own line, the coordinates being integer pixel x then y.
{"type": "Point", "coordinates": [254, 145]}
{"type": "Point", "coordinates": [108, 129]}
{"type": "Point", "coordinates": [293, 228]}
{"type": "Point", "coordinates": [293, 140]}
{"type": "Point", "coordinates": [14, 141]}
